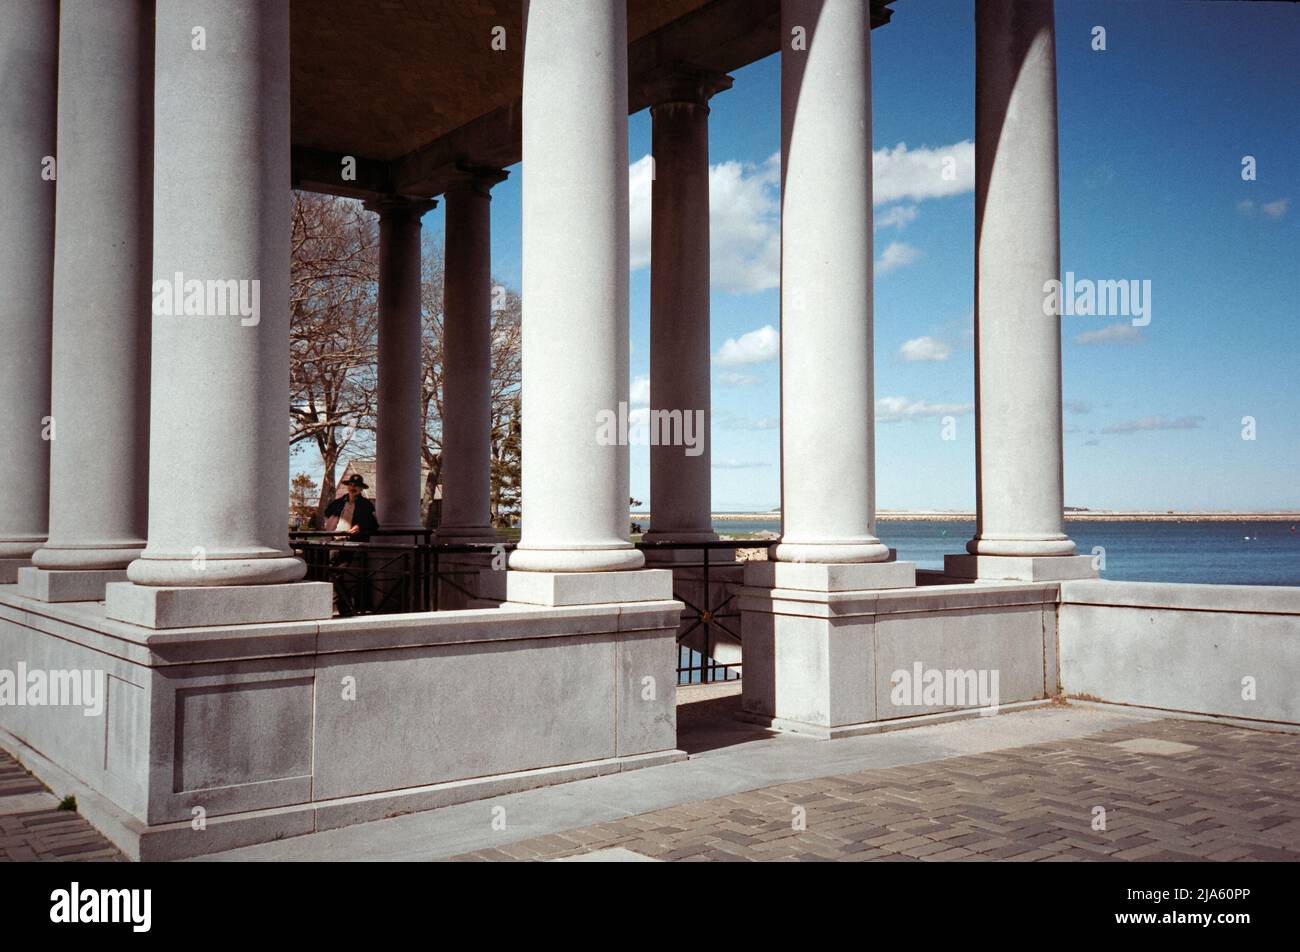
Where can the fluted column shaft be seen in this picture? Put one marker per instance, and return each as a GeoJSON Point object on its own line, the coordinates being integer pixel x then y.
{"type": "Point", "coordinates": [219, 477]}
{"type": "Point", "coordinates": [467, 361]}
{"type": "Point", "coordinates": [575, 288]}
{"type": "Point", "coordinates": [99, 458]}
{"type": "Point", "coordinates": [827, 413]}
{"type": "Point", "coordinates": [680, 398]}
{"type": "Point", "coordinates": [29, 45]}
{"type": "Point", "coordinates": [1019, 478]}
{"type": "Point", "coordinates": [399, 438]}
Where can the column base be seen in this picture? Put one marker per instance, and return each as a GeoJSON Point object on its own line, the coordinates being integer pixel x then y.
{"type": "Point", "coordinates": [848, 551]}
{"type": "Point", "coordinates": [213, 570]}
{"type": "Point", "coordinates": [831, 577]}
{"type": "Point", "coordinates": [577, 559]}
{"type": "Point", "coordinates": [9, 569]}
{"type": "Point", "coordinates": [216, 605]}
{"type": "Point", "coordinates": [564, 589]}
{"type": "Point", "coordinates": [106, 557]}
{"type": "Point", "coordinates": [1020, 568]}
{"type": "Point", "coordinates": [66, 585]}
{"type": "Point", "coordinates": [1035, 547]}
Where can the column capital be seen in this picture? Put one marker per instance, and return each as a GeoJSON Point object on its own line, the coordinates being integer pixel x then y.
{"type": "Point", "coordinates": [475, 178]}
{"type": "Point", "coordinates": [679, 82]}
{"type": "Point", "coordinates": [400, 206]}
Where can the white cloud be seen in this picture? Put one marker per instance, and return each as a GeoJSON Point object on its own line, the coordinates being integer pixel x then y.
{"type": "Point", "coordinates": [640, 176]}
{"type": "Point", "coordinates": [924, 348]}
{"type": "Point", "coordinates": [894, 409]}
{"type": "Point", "coordinates": [1155, 423]}
{"type": "Point", "coordinates": [751, 423]}
{"type": "Point", "coordinates": [1111, 334]}
{"type": "Point", "coordinates": [1275, 209]}
{"type": "Point", "coordinates": [1076, 406]}
{"type": "Point", "coordinates": [639, 391]}
{"type": "Point", "coordinates": [730, 378]}
{"type": "Point", "coordinates": [922, 173]}
{"type": "Point", "coordinates": [745, 208]}
{"type": "Point", "coordinates": [756, 347]}
{"type": "Point", "coordinates": [745, 225]}
{"type": "Point", "coordinates": [896, 217]}
{"type": "Point", "coordinates": [897, 254]}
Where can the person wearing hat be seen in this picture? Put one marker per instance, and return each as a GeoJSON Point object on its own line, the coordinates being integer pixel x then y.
{"type": "Point", "coordinates": [354, 512]}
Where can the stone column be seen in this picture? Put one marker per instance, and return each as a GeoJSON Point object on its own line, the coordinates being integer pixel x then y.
{"type": "Point", "coordinates": [827, 425]}
{"type": "Point", "coordinates": [467, 360]}
{"type": "Point", "coordinates": [219, 476]}
{"type": "Point", "coordinates": [680, 475]}
{"type": "Point", "coordinates": [575, 291]}
{"type": "Point", "coordinates": [1019, 481]}
{"type": "Point", "coordinates": [102, 269]}
{"type": "Point", "coordinates": [29, 62]}
{"type": "Point", "coordinates": [399, 439]}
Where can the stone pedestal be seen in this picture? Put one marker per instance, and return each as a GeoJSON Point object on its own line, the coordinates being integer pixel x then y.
{"type": "Point", "coordinates": [190, 607]}
{"type": "Point", "coordinates": [1020, 568]}
{"type": "Point", "coordinates": [67, 585]}
{"type": "Point", "coordinates": [825, 659]}
{"type": "Point", "coordinates": [562, 589]}
{"type": "Point", "coordinates": [9, 569]}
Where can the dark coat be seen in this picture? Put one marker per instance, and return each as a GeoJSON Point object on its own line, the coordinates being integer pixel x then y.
{"type": "Point", "coordinates": [363, 515]}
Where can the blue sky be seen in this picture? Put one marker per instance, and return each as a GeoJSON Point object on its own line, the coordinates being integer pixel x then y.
{"type": "Point", "coordinates": [1152, 135]}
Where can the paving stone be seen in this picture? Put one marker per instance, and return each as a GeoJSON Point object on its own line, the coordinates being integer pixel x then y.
{"type": "Point", "coordinates": [1172, 790]}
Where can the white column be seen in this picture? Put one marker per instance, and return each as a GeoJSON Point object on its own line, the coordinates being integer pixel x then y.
{"type": "Point", "coordinates": [467, 360]}
{"type": "Point", "coordinates": [827, 412]}
{"type": "Point", "coordinates": [399, 438]}
{"type": "Point", "coordinates": [29, 62]}
{"type": "Point", "coordinates": [99, 459]}
{"type": "Point", "coordinates": [219, 477]}
{"type": "Point", "coordinates": [680, 483]}
{"type": "Point", "coordinates": [575, 288]}
{"type": "Point", "coordinates": [1018, 347]}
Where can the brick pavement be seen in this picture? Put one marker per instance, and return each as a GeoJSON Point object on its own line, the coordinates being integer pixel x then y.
{"type": "Point", "coordinates": [32, 828]}
{"type": "Point", "coordinates": [1212, 792]}
{"type": "Point", "coordinates": [1234, 795]}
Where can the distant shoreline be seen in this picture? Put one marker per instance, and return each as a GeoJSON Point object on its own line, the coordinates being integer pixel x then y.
{"type": "Point", "coordinates": [1090, 515]}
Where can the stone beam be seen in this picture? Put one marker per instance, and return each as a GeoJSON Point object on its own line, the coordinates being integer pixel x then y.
{"type": "Point", "coordinates": [722, 36]}
{"type": "Point", "coordinates": [332, 174]}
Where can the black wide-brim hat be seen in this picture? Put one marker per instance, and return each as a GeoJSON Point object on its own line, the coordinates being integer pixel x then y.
{"type": "Point", "coordinates": [357, 481]}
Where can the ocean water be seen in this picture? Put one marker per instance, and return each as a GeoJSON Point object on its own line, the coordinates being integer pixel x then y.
{"type": "Point", "coordinates": [1221, 553]}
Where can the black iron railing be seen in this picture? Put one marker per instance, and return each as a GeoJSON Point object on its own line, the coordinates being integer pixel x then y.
{"type": "Point", "coordinates": [382, 577]}
{"type": "Point", "coordinates": [404, 570]}
{"type": "Point", "coordinates": [717, 619]}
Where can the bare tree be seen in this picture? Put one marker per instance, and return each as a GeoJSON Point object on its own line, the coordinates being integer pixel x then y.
{"type": "Point", "coordinates": [333, 303]}
{"type": "Point", "coordinates": [505, 370]}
